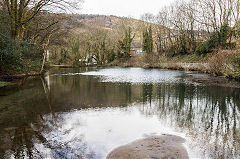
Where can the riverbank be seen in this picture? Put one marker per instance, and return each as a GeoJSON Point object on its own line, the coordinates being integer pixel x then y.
{"type": "Point", "coordinates": [224, 63]}
{"type": "Point", "coordinates": [8, 80]}
{"type": "Point", "coordinates": [3, 84]}
{"type": "Point", "coordinates": [12, 79]}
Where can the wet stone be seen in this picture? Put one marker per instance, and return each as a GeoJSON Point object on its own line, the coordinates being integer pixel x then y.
{"type": "Point", "coordinates": [148, 149]}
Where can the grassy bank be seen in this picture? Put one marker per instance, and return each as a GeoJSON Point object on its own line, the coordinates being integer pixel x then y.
{"type": "Point", "coordinates": [8, 80]}
{"type": "Point", "coordinates": [220, 63]}
{"type": "Point", "coordinates": [62, 66]}
{"type": "Point", "coordinates": [3, 84]}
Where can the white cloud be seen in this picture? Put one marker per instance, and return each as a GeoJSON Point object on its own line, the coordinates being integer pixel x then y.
{"type": "Point", "coordinates": [126, 8]}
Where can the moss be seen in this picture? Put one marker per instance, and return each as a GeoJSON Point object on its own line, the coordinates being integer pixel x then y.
{"type": "Point", "coordinates": [60, 66]}
{"type": "Point", "coordinates": [2, 84]}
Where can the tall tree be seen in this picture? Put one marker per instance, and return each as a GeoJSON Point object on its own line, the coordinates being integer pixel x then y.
{"type": "Point", "coordinates": [22, 12]}
{"type": "Point", "coordinates": [147, 44]}
{"type": "Point", "coordinates": [124, 45]}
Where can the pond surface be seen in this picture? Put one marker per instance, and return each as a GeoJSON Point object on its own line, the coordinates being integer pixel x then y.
{"type": "Point", "coordinates": [87, 112]}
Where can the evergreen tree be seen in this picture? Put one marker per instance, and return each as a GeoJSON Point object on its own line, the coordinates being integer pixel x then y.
{"type": "Point", "coordinates": [223, 35]}
{"type": "Point", "coordinates": [124, 45]}
{"type": "Point", "coordinates": [216, 39]}
{"type": "Point", "coordinates": [150, 39]}
{"type": "Point", "coordinates": [147, 44]}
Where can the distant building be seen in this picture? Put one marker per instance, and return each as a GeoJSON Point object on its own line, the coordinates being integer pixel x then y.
{"type": "Point", "coordinates": [133, 51]}
{"type": "Point", "coordinates": [89, 60]}
{"type": "Point", "coordinates": [136, 49]}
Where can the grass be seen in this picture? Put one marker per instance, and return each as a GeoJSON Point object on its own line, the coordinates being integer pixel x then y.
{"type": "Point", "coordinates": [2, 84]}
{"type": "Point", "coordinates": [60, 66]}
{"type": "Point", "coordinates": [189, 58]}
{"type": "Point", "coordinates": [157, 61]}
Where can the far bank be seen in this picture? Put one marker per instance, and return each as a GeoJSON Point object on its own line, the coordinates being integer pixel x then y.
{"type": "Point", "coordinates": [224, 63]}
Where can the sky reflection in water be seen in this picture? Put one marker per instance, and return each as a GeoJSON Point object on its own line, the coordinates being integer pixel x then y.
{"type": "Point", "coordinates": [136, 75]}
{"type": "Point", "coordinates": [102, 129]}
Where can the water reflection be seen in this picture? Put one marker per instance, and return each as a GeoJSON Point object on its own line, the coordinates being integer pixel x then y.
{"type": "Point", "coordinates": [86, 115]}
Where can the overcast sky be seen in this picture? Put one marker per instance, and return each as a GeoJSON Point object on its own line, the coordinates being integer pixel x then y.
{"type": "Point", "coordinates": [133, 8]}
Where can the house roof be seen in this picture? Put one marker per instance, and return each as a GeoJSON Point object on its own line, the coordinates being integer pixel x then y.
{"type": "Point", "coordinates": [136, 45]}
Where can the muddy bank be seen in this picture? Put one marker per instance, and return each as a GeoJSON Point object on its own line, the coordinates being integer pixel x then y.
{"type": "Point", "coordinates": [157, 147]}
{"type": "Point", "coordinates": [209, 80]}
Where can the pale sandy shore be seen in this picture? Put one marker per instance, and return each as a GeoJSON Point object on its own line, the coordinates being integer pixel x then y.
{"type": "Point", "coordinates": [156, 147]}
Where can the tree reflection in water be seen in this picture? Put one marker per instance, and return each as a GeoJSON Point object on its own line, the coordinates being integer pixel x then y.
{"type": "Point", "coordinates": [23, 123]}
{"type": "Point", "coordinates": [210, 116]}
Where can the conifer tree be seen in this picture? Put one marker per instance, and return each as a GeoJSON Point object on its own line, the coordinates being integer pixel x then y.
{"type": "Point", "coordinates": [124, 46]}
{"type": "Point", "coordinates": [147, 44]}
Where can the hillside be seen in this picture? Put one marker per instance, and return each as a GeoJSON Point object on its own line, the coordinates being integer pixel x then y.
{"type": "Point", "coordinates": [78, 23]}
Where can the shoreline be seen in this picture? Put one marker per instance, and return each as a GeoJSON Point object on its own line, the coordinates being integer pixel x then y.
{"type": "Point", "coordinates": [10, 80]}
{"type": "Point", "coordinates": [199, 76]}
{"type": "Point", "coordinates": [198, 67]}
{"type": "Point", "coordinates": [203, 68]}
{"type": "Point", "coordinates": [220, 63]}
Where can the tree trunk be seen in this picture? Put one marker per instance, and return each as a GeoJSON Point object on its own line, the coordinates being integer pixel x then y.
{"type": "Point", "coordinates": [44, 60]}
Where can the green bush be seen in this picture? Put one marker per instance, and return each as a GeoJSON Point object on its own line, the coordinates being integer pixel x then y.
{"type": "Point", "coordinates": [18, 56]}
{"type": "Point", "coordinates": [223, 35]}
{"type": "Point", "coordinates": [64, 56]}
{"type": "Point", "coordinates": [54, 56]}
{"type": "Point", "coordinates": [10, 58]}
{"type": "Point", "coordinates": [110, 55]}
{"type": "Point", "coordinates": [216, 39]}
{"type": "Point", "coordinates": [208, 45]}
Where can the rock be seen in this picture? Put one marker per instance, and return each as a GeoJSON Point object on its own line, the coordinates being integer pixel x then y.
{"type": "Point", "coordinates": [156, 147]}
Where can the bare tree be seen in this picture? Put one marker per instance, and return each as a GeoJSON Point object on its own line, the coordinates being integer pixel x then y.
{"type": "Point", "coordinates": [148, 17]}
{"type": "Point", "coordinates": [23, 12]}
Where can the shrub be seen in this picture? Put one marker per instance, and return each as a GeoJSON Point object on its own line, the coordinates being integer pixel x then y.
{"type": "Point", "coordinates": [110, 55]}
{"type": "Point", "coordinates": [236, 61]}
{"type": "Point", "coordinates": [225, 63]}
{"type": "Point", "coordinates": [64, 56]}
{"type": "Point", "coordinates": [223, 35]}
{"type": "Point", "coordinates": [53, 56]}
{"type": "Point", "coordinates": [208, 45]}
{"type": "Point", "coordinates": [17, 56]}
{"type": "Point", "coordinates": [236, 65]}
{"type": "Point", "coordinates": [216, 39]}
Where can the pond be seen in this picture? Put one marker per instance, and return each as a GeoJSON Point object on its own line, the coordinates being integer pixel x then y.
{"type": "Point", "coordinates": [87, 112]}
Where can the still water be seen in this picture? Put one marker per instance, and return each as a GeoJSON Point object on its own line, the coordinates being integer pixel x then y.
{"type": "Point", "coordinates": [87, 112]}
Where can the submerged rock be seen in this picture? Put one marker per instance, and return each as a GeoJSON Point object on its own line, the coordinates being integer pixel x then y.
{"type": "Point", "coordinates": [156, 147]}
